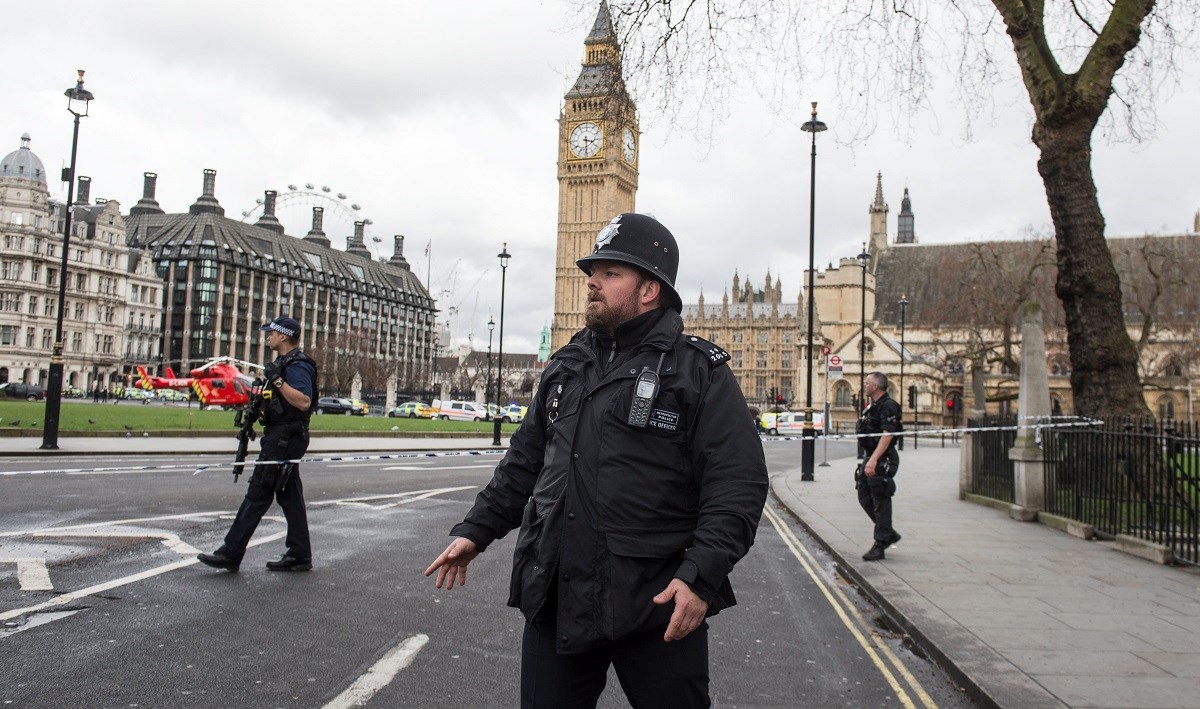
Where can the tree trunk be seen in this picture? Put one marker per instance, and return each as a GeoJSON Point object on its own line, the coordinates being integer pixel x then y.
{"type": "Point", "coordinates": [1103, 359]}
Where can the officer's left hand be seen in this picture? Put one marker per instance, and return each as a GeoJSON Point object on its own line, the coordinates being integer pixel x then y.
{"type": "Point", "coordinates": [869, 468]}
{"type": "Point", "coordinates": [689, 609]}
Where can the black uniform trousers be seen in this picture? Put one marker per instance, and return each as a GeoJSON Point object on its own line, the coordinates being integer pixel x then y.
{"type": "Point", "coordinates": [279, 442]}
{"type": "Point", "coordinates": [875, 497]}
{"type": "Point", "coordinates": [652, 672]}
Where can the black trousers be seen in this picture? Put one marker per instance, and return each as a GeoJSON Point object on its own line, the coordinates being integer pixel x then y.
{"type": "Point", "coordinates": [285, 442]}
{"type": "Point", "coordinates": [875, 496]}
{"type": "Point", "coordinates": [653, 673]}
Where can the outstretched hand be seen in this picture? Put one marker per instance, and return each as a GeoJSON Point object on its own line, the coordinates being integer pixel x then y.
{"type": "Point", "coordinates": [689, 613]}
{"type": "Point", "coordinates": [451, 564]}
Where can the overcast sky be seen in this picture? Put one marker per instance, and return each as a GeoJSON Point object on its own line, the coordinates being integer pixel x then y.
{"type": "Point", "coordinates": [439, 121]}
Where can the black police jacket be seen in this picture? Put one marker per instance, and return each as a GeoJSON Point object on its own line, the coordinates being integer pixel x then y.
{"type": "Point", "coordinates": [611, 513]}
{"type": "Point", "coordinates": [882, 416]}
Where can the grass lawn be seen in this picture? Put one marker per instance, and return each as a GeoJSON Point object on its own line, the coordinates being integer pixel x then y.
{"type": "Point", "coordinates": [86, 416]}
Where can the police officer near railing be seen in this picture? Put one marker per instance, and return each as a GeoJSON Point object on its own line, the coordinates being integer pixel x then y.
{"type": "Point", "coordinates": [637, 481]}
{"type": "Point", "coordinates": [289, 392]}
{"type": "Point", "coordinates": [875, 480]}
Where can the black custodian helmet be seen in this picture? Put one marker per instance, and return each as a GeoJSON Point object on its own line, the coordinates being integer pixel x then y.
{"type": "Point", "coordinates": [639, 240]}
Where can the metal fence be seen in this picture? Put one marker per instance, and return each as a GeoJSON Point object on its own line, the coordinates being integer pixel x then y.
{"type": "Point", "coordinates": [993, 475]}
{"type": "Point", "coordinates": [1136, 478]}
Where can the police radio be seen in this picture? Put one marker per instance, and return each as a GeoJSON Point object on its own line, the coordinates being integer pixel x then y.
{"type": "Point", "coordinates": [644, 391]}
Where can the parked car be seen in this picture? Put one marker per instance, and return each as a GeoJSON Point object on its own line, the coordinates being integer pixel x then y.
{"type": "Point", "coordinates": [171, 395]}
{"type": "Point", "coordinates": [790, 423]}
{"type": "Point", "coordinates": [411, 410]}
{"type": "Point", "coordinates": [335, 405]}
{"type": "Point", "coordinates": [460, 410]}
{"type": "Point", "coordinates": [19, 390]}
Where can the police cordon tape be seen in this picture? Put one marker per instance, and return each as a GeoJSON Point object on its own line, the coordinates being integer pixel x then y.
{"type": "Point", "coordinates": [251, 463]}
{"type": "Point", "coordinates": [1073, 421]}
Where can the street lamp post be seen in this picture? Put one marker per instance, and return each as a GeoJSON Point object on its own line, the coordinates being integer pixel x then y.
{"type": "Point", "coordinates": [808, 447]}
{"type": "Point", "coordinates": [78, 99]}
{"type": "Point", "coordinates": [487, 383]}
{"type": "Point", "coordinates": [902, 392]}
{"type": "Point", "coordinates": [864, 258]}
{"type": "Point", "coordinates": [504, 256]}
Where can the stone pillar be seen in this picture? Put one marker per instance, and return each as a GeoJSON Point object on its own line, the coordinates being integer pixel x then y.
{"type": "Point", "coordinates": [356, 386]}
{"type": "Point", "coordinates": [391, 393]}
{"type": "Point", "coordinates": [1032, 403]}
{"type": "Point", "coordinates": [966, 464]}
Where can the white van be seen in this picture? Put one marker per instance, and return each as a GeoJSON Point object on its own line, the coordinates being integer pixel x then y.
{"type": "Point", "coordinates": [459, 410]}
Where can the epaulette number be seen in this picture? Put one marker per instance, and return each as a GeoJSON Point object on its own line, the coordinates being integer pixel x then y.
{"type": "Point", "coordinates": [716, 355]}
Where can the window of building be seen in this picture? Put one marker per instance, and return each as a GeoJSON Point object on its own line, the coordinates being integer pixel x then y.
{"type": "Point", "coordinates": [51, 304]}
{"type": "Point", "coordinates": [1173, 369]}
{"type": "Point", "coordinates": [785, 359]}
{"type": "Point", "coordinates": [10, 302]}
{"type": "Point", "coordinates": [80, 311]}
{"type": "Point", "coordinates": [1166, 408]}
{"type": "Point", "coordinates": [11, 270]}
{"type": "Point", "coordinates": [81, 281]}
{"type": "Point", "coordinates": [761, 336]}
{"type": "Point", "coordinates": [841, 394]}
{"type": "Point", "coordinates": [33, 303]}
{"type": "Point", "coordinates": [46, 341]}
{"type": "Point", "coordinates": [8, 334]}
{"type": "Point", "coordinates": [760, 359]}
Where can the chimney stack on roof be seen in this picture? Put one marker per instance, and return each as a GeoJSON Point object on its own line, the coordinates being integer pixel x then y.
{"type": "Point", "coordinates": [268, 219]}
{"type": "Point", "coordinates": [207, 202]}
{"type": "Point", "coordinates": [147, 204]}
{"type": "Point", "coordinates": [316, 235]}
{"type": "Point", "coordinates": [397, 258]}
{"type": "Point", "coordinates": [357, 244]}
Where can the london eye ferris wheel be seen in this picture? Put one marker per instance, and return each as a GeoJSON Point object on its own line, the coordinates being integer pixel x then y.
{"type": "Point", "coordinates": [293, 209]}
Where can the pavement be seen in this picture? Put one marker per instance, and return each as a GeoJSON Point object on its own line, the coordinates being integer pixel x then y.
{"type": "Point", "coordinates": [1020, 614]}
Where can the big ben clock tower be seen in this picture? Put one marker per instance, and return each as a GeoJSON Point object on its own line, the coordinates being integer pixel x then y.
{"type": "Point", "coordinates": [598, 144]}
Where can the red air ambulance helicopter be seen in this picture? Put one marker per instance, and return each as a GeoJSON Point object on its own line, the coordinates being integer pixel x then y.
{"type": "Point", "coordinates": [216, 382]}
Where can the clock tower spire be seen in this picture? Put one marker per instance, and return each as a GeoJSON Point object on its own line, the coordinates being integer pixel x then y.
{"type": "Point", "coordinates": [598, 142]}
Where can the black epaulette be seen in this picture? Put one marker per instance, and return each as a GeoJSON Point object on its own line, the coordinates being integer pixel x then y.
{"type": "Point", "coordinates": [716, 356]}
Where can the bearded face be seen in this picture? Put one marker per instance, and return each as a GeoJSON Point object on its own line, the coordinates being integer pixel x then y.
{"type": "Point", "coordinates": [614, 295]}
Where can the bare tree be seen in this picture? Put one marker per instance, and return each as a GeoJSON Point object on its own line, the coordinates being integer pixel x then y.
{"type": "Point", "coordinates": [689, 52]}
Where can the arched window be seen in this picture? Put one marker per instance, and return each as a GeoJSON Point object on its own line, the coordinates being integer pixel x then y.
{"type": "Point", "coordinates": [1056, 408]}
{"type": "Point", "coordinates": [1060, 368]}
{"type": "Point", "coordinates": [3, 375]}
{"type": "Point", "coordinates": [841, 394]}
{"type": "Point", "coordinates": [1173, 368]}
{"type": "Point", "coordinates": [1166, 408]}
{"type": "Point", "coordinates": [868, 345]}
{"type": "Point", "coordinates": [1006, 368]}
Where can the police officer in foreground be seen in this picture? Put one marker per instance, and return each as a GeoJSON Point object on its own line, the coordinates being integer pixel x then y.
{"type": "Point", "coordinates": [290, 393]}
{"type": "Point", "coordinates": [637, 481]}
{"type": "Point", "coordinates": [876, 484]}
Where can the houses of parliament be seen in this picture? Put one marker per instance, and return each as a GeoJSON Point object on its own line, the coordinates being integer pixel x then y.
{"type": "Point", "coordinates": [950, 344]}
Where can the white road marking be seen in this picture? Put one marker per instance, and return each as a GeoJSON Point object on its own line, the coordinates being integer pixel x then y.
{"type": "Point", "coordinates": [32, 573]}
{"type": "Point", "coordinates": [402, 498]}
{"type": "Point", "coordinates": [380, 674]}
{"type": "Point", "coordinates": [116, 583]}
{"type": "Point", "coordinates": [444, 467]}
{"type": "Point", "coordinates": [170, 541]}
{"type": "Point", "coordinates": [115, 522]}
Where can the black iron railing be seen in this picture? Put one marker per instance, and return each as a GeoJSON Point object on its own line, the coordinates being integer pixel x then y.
{"type": "Point", "coordinates": [1141, 479]}
{"type": "Point", "coordinates": [993, 474]}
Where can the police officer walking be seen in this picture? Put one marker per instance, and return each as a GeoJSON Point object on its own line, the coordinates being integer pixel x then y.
{"type": "Point", "coordinates": [637, 481]}
{"type": "Point", "coordinates": [289, 392]}
{"type": "Point", "coordinates": [876, 484]}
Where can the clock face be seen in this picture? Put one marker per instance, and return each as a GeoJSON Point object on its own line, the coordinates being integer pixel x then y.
{"type": "Point", "coordinates": [630, 146]}
{"type": "Point", "coordinates": [586, 140]}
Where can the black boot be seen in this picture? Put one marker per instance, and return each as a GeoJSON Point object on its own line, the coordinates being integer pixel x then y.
{"type": "Point", "coordinates": [290, 563]}
{"type": "Point", "coordinates": [875, 553]}
{"type": "Point", "coordinates": [218, 560]}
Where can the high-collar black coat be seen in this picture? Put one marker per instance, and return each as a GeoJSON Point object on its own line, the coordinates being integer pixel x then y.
{"type": "Point", "coordinates": [613, 511]}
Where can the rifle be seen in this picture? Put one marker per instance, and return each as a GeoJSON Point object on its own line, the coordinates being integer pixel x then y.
{"type": "Point", "coordinates": [245, 419]}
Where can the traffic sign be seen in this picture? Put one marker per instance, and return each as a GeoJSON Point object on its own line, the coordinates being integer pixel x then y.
{"type": "Point", "coordinates": [825, 351]}
{"type": "Point", "coordinates": [833, 368]}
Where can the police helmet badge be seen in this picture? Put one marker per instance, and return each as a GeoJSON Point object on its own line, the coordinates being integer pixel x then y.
{"type": "Point", "coordinates": [607, 234]}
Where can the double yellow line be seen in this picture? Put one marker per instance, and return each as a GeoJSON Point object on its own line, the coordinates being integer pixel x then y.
{"type": "Point", "coordinates": [889, 665]}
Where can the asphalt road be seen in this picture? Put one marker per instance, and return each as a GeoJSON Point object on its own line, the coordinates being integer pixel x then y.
{"type": "Point", "coordinates": [102, 605]}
